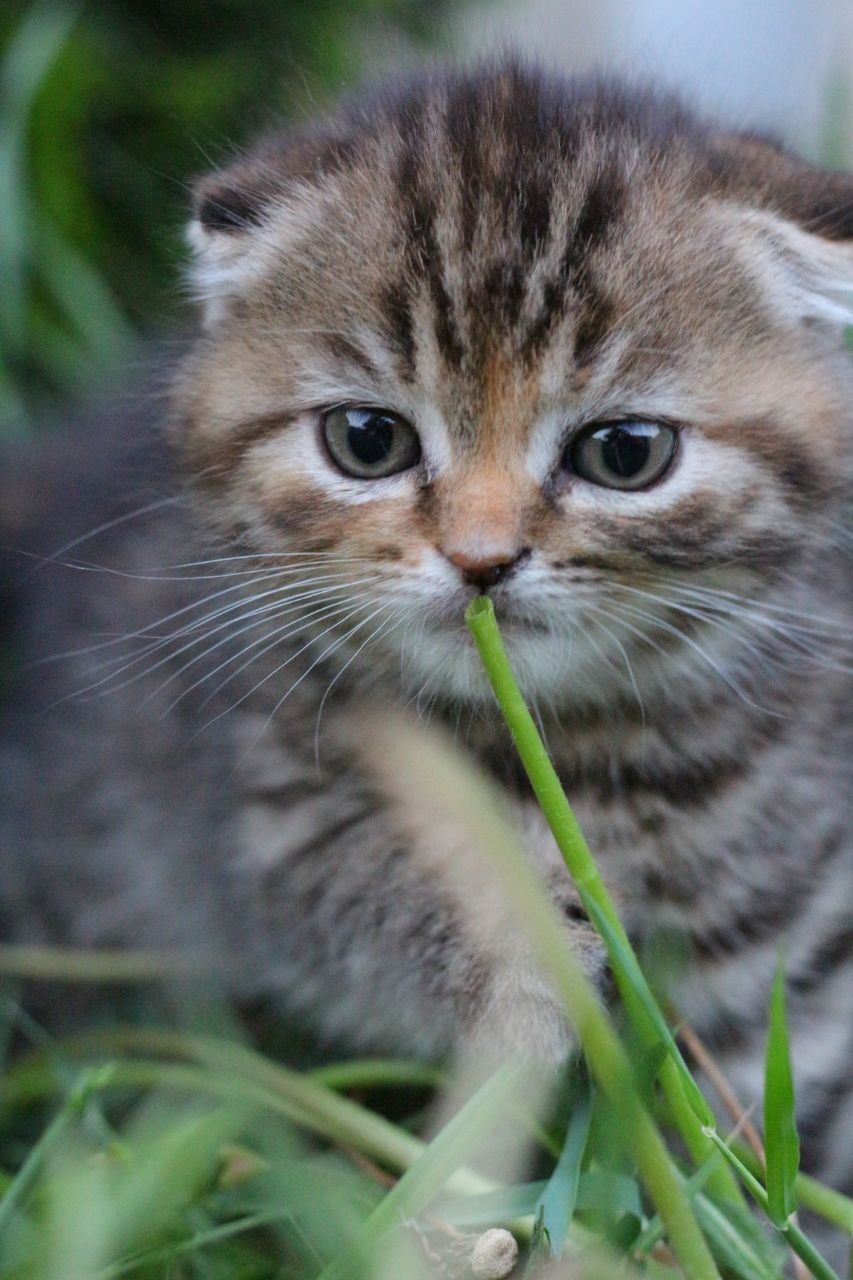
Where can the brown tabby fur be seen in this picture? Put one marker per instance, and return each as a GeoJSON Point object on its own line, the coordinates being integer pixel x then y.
{"type": "Point", "coordinates": [500, 259]}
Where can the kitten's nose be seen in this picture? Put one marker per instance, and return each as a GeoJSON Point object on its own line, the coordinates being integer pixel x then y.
{"type": "Point", "coordinates": [490, 570]}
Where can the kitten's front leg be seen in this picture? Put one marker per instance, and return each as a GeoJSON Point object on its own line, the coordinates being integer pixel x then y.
{"type": "Point", "coordinates": [520, 1010]}
{"type": "Point", "coordinates": [395, 942]}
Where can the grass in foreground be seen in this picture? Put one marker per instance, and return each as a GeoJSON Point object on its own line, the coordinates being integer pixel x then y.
{"type": "Point", "coordinates": [150, 1152]}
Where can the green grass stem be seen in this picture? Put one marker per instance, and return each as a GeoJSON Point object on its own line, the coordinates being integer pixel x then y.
{"type": "Point", "coordinates": [690, 1110]}
{"type": "Point", "coordinates": [433, 1169]}
{"type": "Point", "coordinates": [825, 1201]}
{"type": "Point", "coordinates": [440, 777]}
{"type": "Point", "coordinates": [90, 1083]}
{"type": "Point", "coordinates": [799, 1242]}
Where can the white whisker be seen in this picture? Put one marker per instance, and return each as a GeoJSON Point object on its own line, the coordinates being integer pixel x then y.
{"type": "Point", "coordinates": [271, 674]}
{"type": "Point", "coordinates": [106, 526]}
{"type": "Point", "coordinates": [625, 658]}
{"type": "Point", "coordinates": [384, 628]}
{"type": "Point", "coordinates": [200, 630]}
{"type": "Point", "coordinates": [294, 605]}
{"type": "Point", "coordinates": [330, 649]}
{"type": "Point", "coordinates": [684, 638]}
{"type": "Point", "coordinates": [273, 638]}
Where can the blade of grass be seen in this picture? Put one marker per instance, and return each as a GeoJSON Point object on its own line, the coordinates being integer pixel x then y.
{"type": "Point", "coordinates": [730, 1245]}
{"type": "Point", "coordinates": [557, 1201]}
{"type": "Point", "coordinates": [369, 1073]}
{"type": "Point", "coordinates": [781, 1142]}
{"type": "Point", "coordinates": [653, 1231]}
{"type": "Point", "coordinates": [91, 1082]}
{"type": "Point", "coordinates": [799, 1242]}
{"type": "Point", "coordinates": [201, 1240]}
{"type": "Point", "coordinates": [426, 772]}
{"type": "Point", "coordinates": [90, 964]}
{"type": "Point", "coordinates": [690, 1110]}
{"type": "Point", "coordinates": [631, 979]}
{"type": "Point", "coordinates": [827, 1203]}
{"type": "Point", "coordinates": [239, 1074]}
{"type": "Point", "coordinates": [419, 1185]}
{"type": "Point", "coordinates": [30, 53]}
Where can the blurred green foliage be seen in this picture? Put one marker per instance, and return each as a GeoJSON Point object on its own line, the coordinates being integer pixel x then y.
{"type": "Point", "coordinates": [106, 110]}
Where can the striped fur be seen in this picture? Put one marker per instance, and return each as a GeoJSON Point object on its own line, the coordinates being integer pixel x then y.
{"type": "Point", "coordinates": [500, 259]}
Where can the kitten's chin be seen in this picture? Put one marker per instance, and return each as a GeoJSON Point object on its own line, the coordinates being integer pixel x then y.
{"type": "Point", "coordinates": [445, 663]}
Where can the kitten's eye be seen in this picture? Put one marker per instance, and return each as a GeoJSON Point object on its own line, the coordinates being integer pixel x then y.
{"type": "Point", "coordinates": [623, 455]}
{"type": "Point", "coordinates": [370, 443]}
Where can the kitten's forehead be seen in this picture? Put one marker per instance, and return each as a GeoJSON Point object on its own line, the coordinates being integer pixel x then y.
{"type": "Point", "coordinates": [493, 244]}
{"type": "Point", "coordinates": [504, 202]}
{"type": "Point", "coordinates": [489, 234]}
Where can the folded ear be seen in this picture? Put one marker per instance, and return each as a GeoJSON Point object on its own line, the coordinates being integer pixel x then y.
{"type": "Point", "coordinates": [242, 214]}
{"type": "Point", "coordinates": [811, 277]}
{"type": "Point", "coordinates": [801, 217]}
{"type": "Point", "coordinates": [229, 210]}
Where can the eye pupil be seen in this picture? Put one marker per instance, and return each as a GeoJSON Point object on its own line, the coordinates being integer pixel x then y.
{"type": "Point", "coordinates": [370, 441]}
{"type": "Point", "coordinates": [625, 453]}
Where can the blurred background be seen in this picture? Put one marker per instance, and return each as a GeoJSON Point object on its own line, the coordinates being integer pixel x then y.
{"type": "Point", "coordinates": [108, 108]}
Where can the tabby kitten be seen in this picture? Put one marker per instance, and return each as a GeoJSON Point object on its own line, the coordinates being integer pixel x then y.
{"type": "Point", "coordinates": [560, 342]}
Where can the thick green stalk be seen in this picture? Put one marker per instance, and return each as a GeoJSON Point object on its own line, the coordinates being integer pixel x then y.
{"type": "Point", "coordinates": [610, 1067]}
{"type": "Point", "coordinates": [593, 892]}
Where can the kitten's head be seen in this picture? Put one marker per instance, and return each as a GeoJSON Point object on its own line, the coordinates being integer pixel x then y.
{"type": "Point", "coordinates": [559, 342]}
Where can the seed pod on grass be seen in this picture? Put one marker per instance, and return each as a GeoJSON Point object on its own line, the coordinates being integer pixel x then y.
{"type": "Point", "coordinates": [495, 1254]}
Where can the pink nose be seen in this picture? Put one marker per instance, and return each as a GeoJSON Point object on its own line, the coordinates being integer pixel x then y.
{"type": "Point", "coordinates": [488, 571]}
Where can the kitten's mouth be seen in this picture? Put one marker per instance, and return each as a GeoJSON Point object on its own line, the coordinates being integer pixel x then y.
{"type": "Point", "coordinates": [511, 622]}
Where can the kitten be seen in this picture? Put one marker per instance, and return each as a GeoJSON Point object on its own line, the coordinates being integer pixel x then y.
{"type": "Point", "coordinates": [557, 341]}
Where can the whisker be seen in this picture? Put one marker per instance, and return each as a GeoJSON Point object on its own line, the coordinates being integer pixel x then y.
{"type": "Point", "coordinates": [204, 631]}
{"type": "Point", "coordinates": [274, 608]}
{"type": "Point", "coordinates": [383, 629]}
{"type": "Point", "coordinates": [269, 640]}
{"type": "Point", "coordinates": [158, 622]}
{"type": "Point", "coordinates": [697, 648]}
{"type": "Point", "coordinates": [627, 660]}
{"type": "Point", "coordinates": [794, 636]}
{"type": "Point", "coordinates": [266, 575]}
{"type": "Point", "coordinates": [265, 555]}
{"type": "Point", "coordinates": [332, 648]}
{"type": "Point", "coordinates": [764, 605]}
{"type": "Point", "coordinates": [163, 574]}
{"type": "Point", "coordinates": [271, 674]}
{"type": "Point", "coordinates": [106, 526]}
{"type": "Point", "coordinates": [761, 652]}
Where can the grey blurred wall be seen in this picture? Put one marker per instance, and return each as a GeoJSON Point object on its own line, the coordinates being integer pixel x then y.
{"type": "Point", "coordinates": [783, 64]}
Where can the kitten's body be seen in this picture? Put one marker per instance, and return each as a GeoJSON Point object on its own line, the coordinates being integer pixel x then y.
{"type": "Point", "coordinates": [494, 258]}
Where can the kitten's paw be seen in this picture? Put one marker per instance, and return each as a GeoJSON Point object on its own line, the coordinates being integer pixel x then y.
{"type": "Point", "coordinates": [522, 1017]}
